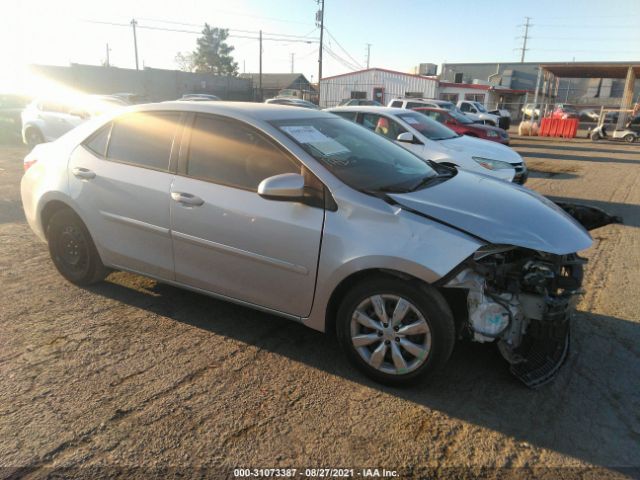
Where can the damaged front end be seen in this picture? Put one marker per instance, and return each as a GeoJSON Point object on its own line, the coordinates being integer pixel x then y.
{"type": "Point", "coordinates": [523, 300]}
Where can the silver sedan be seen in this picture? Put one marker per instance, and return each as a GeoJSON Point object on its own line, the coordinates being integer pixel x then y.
{"type": "Point", "coordinates": [309, 216]}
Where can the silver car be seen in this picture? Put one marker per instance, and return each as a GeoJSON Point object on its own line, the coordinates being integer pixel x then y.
{"type": "Point", "coordinates": [311, 217]}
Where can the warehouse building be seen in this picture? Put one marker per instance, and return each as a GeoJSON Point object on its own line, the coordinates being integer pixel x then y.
{"type": "Point", "coordinates": [375, 84]}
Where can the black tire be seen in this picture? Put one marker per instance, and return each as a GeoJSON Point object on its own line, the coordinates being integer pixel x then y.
{"type": "Point", "coordinates": [428, 301]}
{"type": "Point", "coordinates": [629, 138]}
{"type": "Point", "coordinates": [595, 136]}
{"type": "Point", "coordinates": [72, 249]}
{"type": "Point", "coordinates": [33, 137]}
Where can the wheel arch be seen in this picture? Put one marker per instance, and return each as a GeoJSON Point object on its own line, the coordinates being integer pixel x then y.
{"type": "Point", "coordinates": [49, 207]}
{"type": "Point", "coordinates": [348, 282]}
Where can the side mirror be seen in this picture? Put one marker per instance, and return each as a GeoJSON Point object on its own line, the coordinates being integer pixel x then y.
{"type": "Point", "coordinates": [406, 137]}
{"type": "Point", "coordinates": [473, 110]}
{"type": "Point", "coordinates": [287, 186]}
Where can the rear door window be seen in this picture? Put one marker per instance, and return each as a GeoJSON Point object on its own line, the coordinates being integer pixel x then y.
{"type": "Point", "coordinates": [97, 142]}
{"type": "Point", "coordinates": [144, 139]}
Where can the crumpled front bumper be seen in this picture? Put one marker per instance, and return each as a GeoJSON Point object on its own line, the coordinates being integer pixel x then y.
{"type": "Point", "coordinates": [546, 344]}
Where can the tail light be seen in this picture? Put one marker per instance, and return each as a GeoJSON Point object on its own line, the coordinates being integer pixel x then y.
{"type": "Point", "coordinates": [29, 160]}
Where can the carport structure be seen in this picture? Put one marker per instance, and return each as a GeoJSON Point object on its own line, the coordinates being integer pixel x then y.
{"type": "Point", "coordinates": [551, 73]}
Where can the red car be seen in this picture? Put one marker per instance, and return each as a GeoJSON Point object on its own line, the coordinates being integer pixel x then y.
{"type": "Point", "coordinates": [564, 111]}
{"type": "Point", "coordinates": [460, 123]}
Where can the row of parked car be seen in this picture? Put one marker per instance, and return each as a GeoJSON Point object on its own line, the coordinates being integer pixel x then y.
{"type": "Point", "coordinates": [435, 130]}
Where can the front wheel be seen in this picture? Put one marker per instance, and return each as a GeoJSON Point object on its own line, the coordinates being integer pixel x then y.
{"type": "Point", "coordinates": [394, 330]}
{"type": "Point", "coordinates": [629, 138]}
{"type": "Point", "coordinates": [72, 249]}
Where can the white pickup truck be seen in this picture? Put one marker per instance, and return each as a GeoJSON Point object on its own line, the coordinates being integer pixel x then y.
{"type": "Point", "coordinates": [478, 113]}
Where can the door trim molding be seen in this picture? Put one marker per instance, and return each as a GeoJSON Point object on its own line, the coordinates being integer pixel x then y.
{"type": "Point", "coordinates": [132, 222]}
{"type": "Point", "coordinates": [299, 269]}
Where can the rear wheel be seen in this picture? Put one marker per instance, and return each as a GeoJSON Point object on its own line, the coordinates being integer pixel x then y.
{"type": "Point", "coordinates": [33, 137]}
{"type": "Point", "coordinates": [395, 330]}
{"type": "Point", "coordinates": [629, 138]}
{"type": "Point", "coordinates": [72, 249]}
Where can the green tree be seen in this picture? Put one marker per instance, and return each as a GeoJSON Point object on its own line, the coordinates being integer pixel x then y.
{"type": "Point", "coordinates": [213, 54]}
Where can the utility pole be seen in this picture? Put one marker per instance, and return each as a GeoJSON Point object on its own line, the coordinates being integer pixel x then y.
{"type": "Point", "coordinates": [135, 40]}
{"type": "Point", "coordinates": [368, 54]}
{"type": "Point", "coordinates": [260, 74]}
{"type": "Point", "coordinates": [320, 24]}
{"type": "Point", "coordinates": [293, 55]}
{"type": "Point", "coordinates": [106, 63]}
{"type": "Point", "coordinates": [525, 38]}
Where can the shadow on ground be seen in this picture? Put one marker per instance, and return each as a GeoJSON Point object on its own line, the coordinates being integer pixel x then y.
{"type": "Point", "coordinates": [579, 158]}
{"type": "Point", "coordinates": [575, 148]}
{"type": "Point", "coordinates": [629, 212]}
{"type": "Point", "coordinates": [594, 399]}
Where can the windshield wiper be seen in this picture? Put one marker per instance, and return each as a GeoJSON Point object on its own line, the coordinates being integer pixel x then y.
{"type": "Point", "coordinates": [429, 181]}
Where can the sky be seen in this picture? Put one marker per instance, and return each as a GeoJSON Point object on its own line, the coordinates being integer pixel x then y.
{"type": "Point", "coordinates": [402, 33]}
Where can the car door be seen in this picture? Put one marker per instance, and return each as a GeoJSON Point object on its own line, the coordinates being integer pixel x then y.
{"type": "Point", "coordinates": [120, 180]}
{"type": "Point", "coordinates": [227, 239]}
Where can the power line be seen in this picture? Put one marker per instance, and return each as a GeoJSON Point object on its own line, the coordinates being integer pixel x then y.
{"type": "Point", "coordinates": [196, 32]}
{"type": "Point", "coordinates": [355, 62]}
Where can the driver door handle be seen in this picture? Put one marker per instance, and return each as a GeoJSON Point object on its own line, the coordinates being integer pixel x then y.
{"type": "Point", "coordinates": [187, 199]}
{"type": "Point", "coordinates": [83, 173]}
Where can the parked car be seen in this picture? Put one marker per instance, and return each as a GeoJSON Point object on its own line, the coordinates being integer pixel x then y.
{"type": "Point", "coordinates": [11, 107]}
{"type": "Point", "coordinates": [199, 97]}
{"type": "Point", "coordinates": [420, 102]}
{"type": "Point", "coordinates": [292, 102]}
{"type": "Point", "coordinates": [45, 119]}
{"type": "Point", "coordinates": [402, 238]}
{"type": "Point", "coordinates": [131, 98]}
{"type": "Point", "coordinates": [431, 140]}
{"type": "Point", "coordinates": [477, 112]}
{"type": "Point", "coordinates": [359, 101]}
{"type": "Point", "coordinates": [463, 125]}
{"type": "Point", "coordinates": [563, 111]}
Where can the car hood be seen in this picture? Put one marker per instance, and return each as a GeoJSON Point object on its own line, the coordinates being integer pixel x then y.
{"type": "Point", "coordinates": [500, 213]}
{"type": "Point", "coordinates": [478, 147]}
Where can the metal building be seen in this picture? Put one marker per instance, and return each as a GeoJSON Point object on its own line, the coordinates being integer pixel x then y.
{"type": "Point", "coordinates": [375, 84]}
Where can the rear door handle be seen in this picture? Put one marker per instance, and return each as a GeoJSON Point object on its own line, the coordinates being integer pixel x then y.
{"type": "Point", "coordinates": [83, 173]}
{"type": "Point", "coordinates": [187, 199]}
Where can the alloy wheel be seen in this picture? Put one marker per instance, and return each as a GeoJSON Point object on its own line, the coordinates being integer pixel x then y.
{"type": "Point", "coordinates": [390, 334]}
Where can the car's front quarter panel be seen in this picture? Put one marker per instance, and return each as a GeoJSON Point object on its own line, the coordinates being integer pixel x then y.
{"type": "Point", "coordinates": [373, 235]}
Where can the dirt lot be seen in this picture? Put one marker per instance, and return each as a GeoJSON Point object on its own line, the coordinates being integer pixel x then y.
{"type": "Point", "coordinates": [131, 373]}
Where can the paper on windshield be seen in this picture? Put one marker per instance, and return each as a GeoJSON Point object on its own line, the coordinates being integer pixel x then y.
{"type": "Point", "coordinates": [411, 120]}
{"type": "Point", "coordinates": [311, 136]}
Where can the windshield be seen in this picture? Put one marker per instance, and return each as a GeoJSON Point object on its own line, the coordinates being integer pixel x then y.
{"type": "Point", "coordinates": [427, 127]}
{"type": "Point", "coordinates": [360, 158]}
{"type": "Point", "coordinates": [480, 107]}
{"type": "Point", "coordinates": [446, 105]}
{"type": "Point", "coordinates": [461, 117]}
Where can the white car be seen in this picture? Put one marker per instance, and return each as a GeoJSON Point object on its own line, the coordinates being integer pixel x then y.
{"type": "Point", "coordinates": [431, 140]}
{"type": "Point", "coordinates": [44, 119]}
{"type": "Point", "coordinates": [477, 112]}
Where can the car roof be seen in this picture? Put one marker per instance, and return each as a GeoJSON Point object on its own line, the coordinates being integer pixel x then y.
{"type": "Point", "coordinates": [241, 110]}
{"type": "Point", "coordinates": [368, 109]}
{"type": "Point", "coordinates": [434, 109]}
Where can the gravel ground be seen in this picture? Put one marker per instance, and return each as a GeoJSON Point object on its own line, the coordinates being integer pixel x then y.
{"type": "Point", "coordinates": [133, 377]}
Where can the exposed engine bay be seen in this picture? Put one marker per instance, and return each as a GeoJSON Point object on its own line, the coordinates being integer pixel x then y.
{"type": "Point", "coordinates": [523, 300]}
